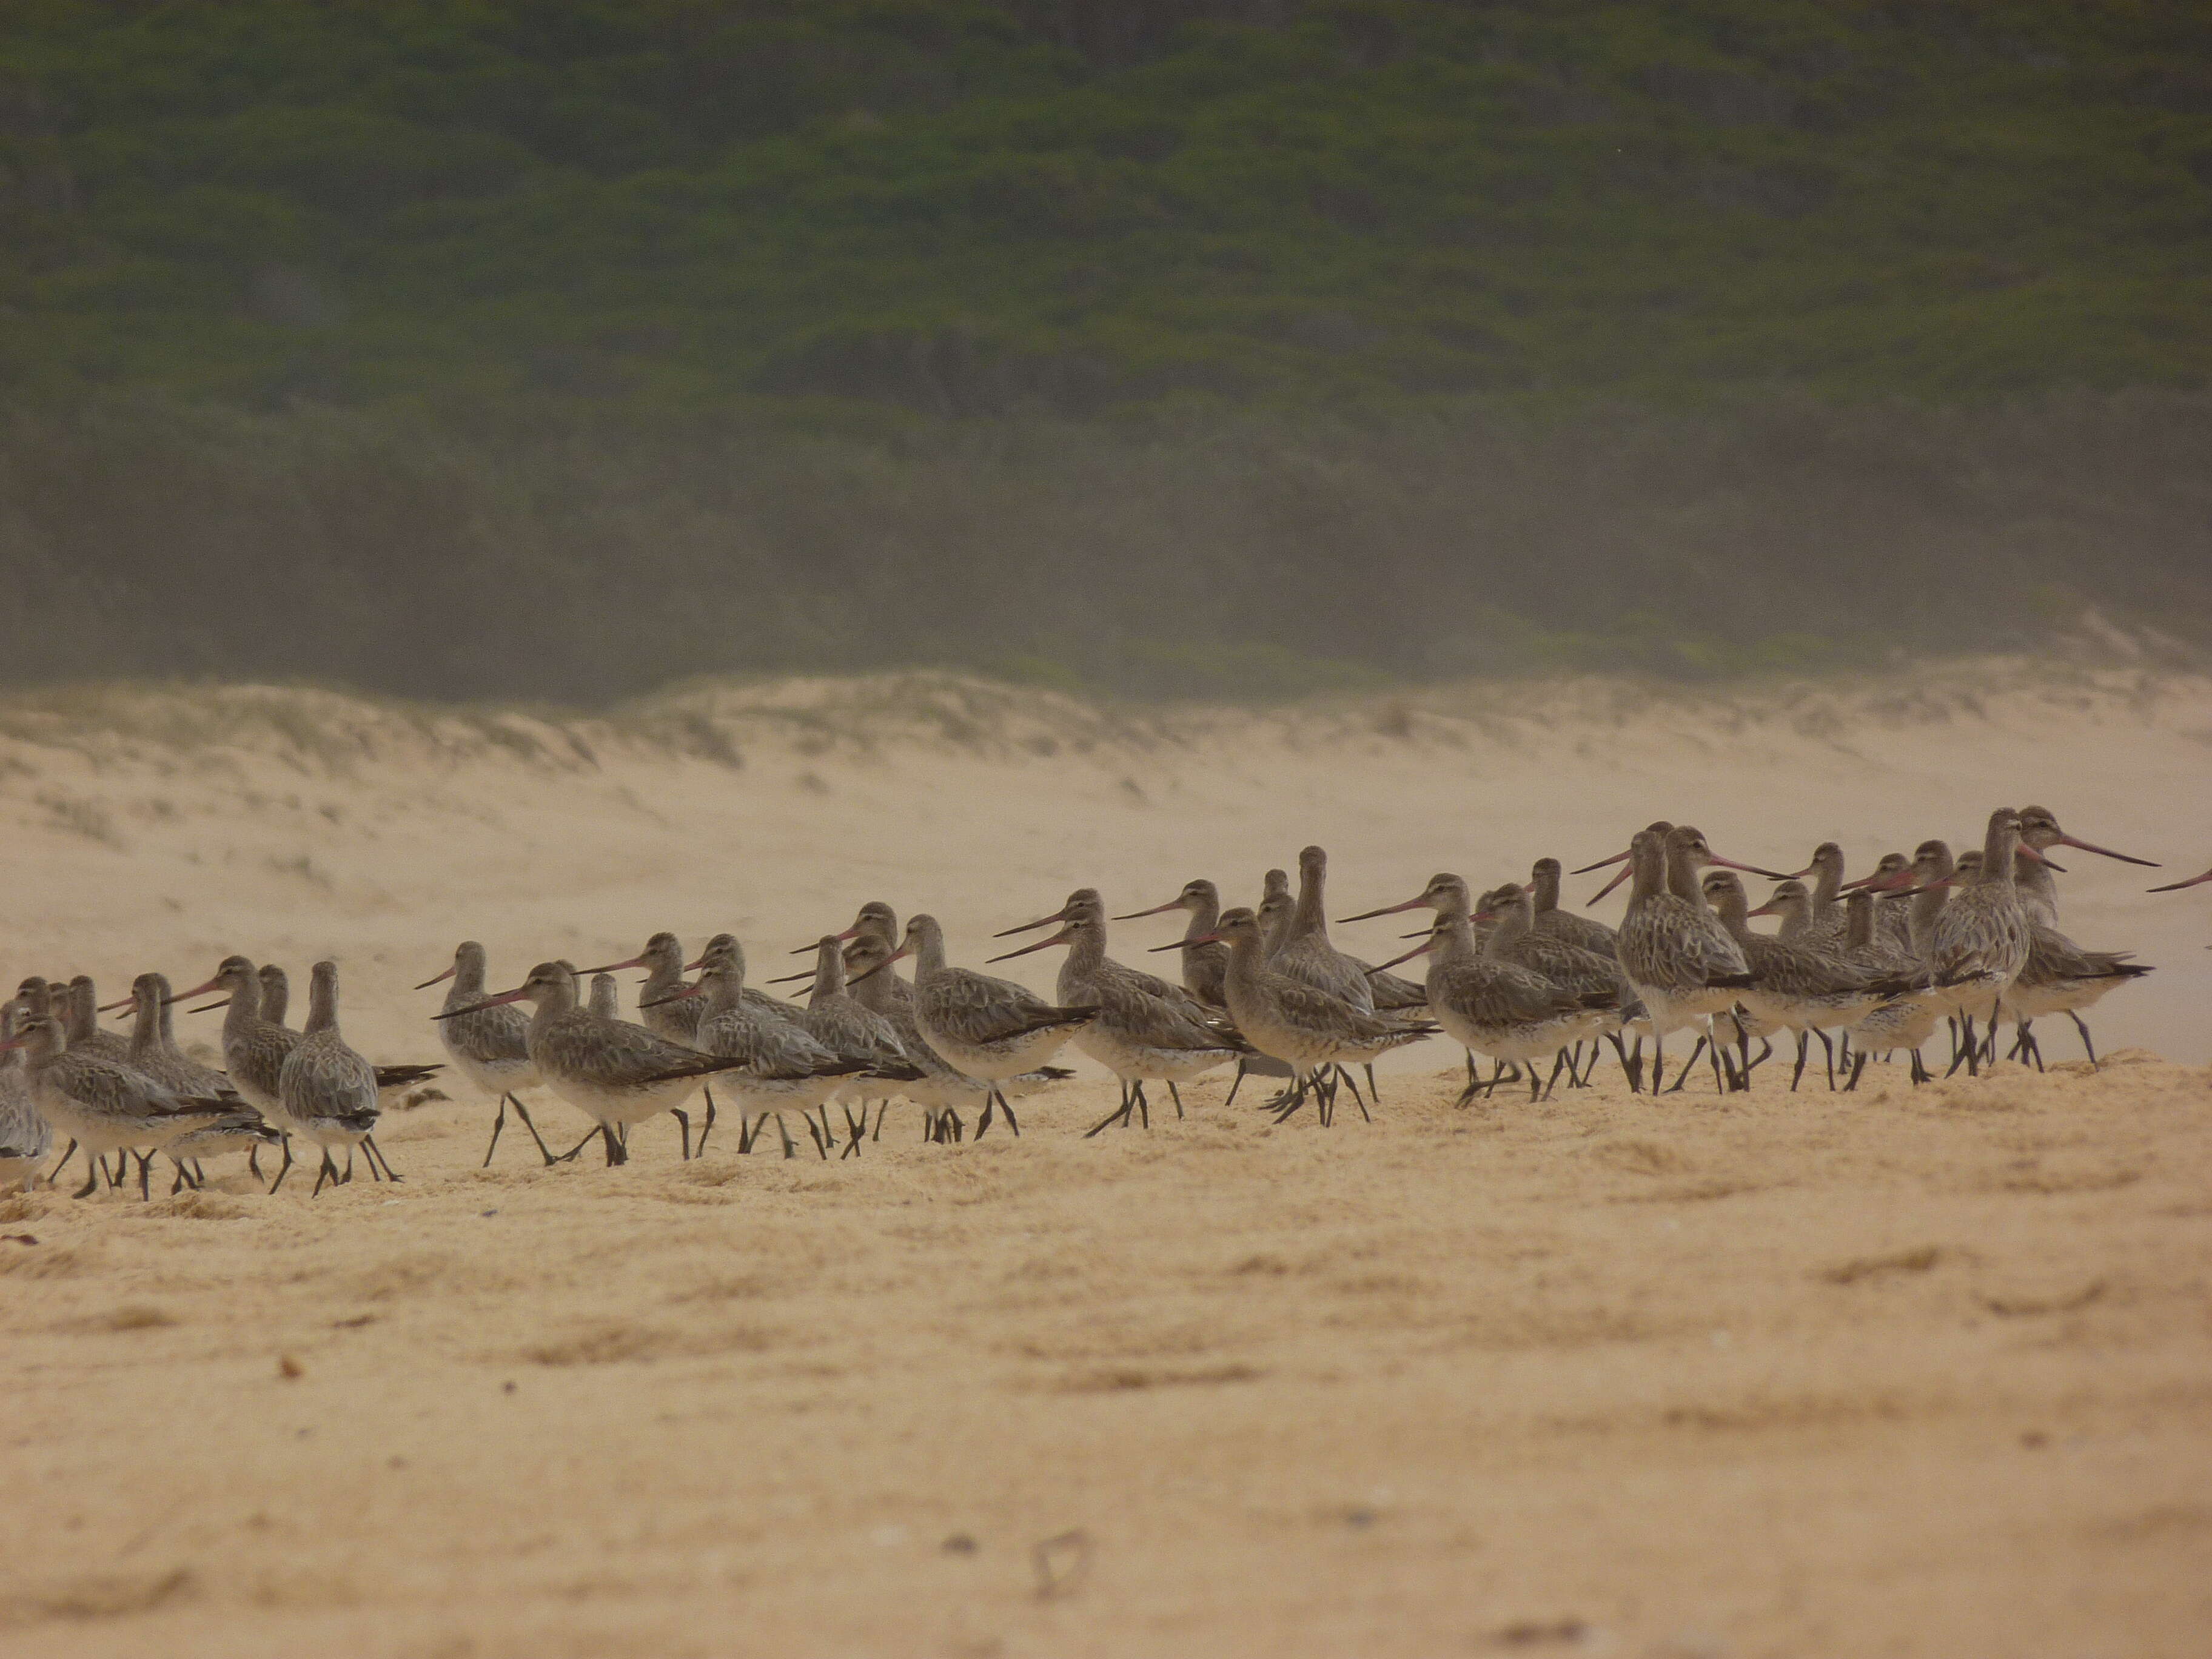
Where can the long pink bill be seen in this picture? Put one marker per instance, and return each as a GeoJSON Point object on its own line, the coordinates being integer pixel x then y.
{"type": "Point", "coordinates": [2108, 853]}
{"type": "Point", "coordinates": [1426, 946]}
{"type": "Point", "coordinates": [1624, 873]}
{"type": "Point", "coordinates": [2176, 886]}
{"type": "Point", "coordinates": [617, 967]}
{"type": "Point", "coordinates": [1061, 938]}
{"type": "Point", "coordinates": [1413, 904]}
{"type": "Point", "coordinates": [1029, 926]}
{"type": "Point", "coordinates": [1752, 869]}
{"type": "Point", "coordinates": [1618, 858]}
{"type": "Point", "coordinates": [1185, 944]}
{"type": "Point", "coordinates": [1156, 910]}
{"type": "Point", "coordinates": [498, 1001]}
{"type": "Point", "coordinates": [800, 950]}
{"type": "Point", "coordinates": [678, 996]}
{"type": "Point", "coordinates": [437, 979]}
{"type": "Point", "coordinates": [878, 968]}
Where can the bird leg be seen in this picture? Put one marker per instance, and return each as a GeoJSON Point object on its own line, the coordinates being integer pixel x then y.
{"type": "Point", "coordinates": [253, 1160]}
{"type": "Point", "coordinates": [883, 1111]}
{"type": "Point", "coordinates": [1682, 1076]}
{"type": "Point", "coordinates": [682, 1128]}
{"type": "Point", "coordinates": [145, 1162]}
{"type": "Point", "coordinates": [522, 1112]}
{"type": "Point", "coordinates": [1633, 1072]}
{"type": "Point", "coordinates": [783, 1130]}
{"type": "Point", "coordinates": [1144, 1106]}
{"type": "Point", "coordinates": [285, 1167]}
{"type": "Point", "coordinates": [2089, 1048]}
{"type": "Point", "coordinates": [177, 1185]}
{"type": "Point", "coordinates": [1829, 1048]}
{"type": "Point", "coordinates": [2024, 1042]}
{"type": "Point", "coordinates": [327, 1171]}
{"type": "Point", "coordinates": [616, 1152]}
{"type": "Point", "coordinates": [1804, 1048]}
{"type": "Point", "coordinates": [590, 1135]}
{"type": "Point", "coordinates": [1007, 1107]}
{"type": "Point", "coordinates": [1724, 1078]}
{"type": "Point", "coordinates": [855, 1133]}
{"type": "Point", "coordinates": [1346, 1079]}
{"type": "Point", "coordinates": [708, 1127]}
{"type": "Point", "coordinates": [1377, 1093]}
{"type": "Point", "coordinates": [497, 1124]}
{"type": "Point", "coordinates": [1175, 1097]}
{"type": "Point", "coordinates": [1473, 1083]}
{"type": "Point", "coordinates": [1119, 1114]}
{"type": "Point", "coordinates": [1235, 1083]}
{"type": "Point", "coordinates": [814, 1132]}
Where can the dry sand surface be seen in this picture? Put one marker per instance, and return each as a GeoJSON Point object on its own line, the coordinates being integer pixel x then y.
{"type": "Point", "coordinates": [1901, 1372]}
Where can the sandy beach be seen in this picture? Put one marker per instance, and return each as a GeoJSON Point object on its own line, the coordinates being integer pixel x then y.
{"type": "Point", "coordinates": [1905, 1372]}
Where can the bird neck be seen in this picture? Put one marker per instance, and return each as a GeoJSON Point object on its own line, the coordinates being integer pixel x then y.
{"type": "Point", "coordinates": [145, 1024]}
{"type": "Point", "coordinates": [245, 1008]}
{"type": "Point", "coordinates": [322, 1005]}
{"type": "Point", "coordinates": [829, 972]}
{"type": "Point", "coordinates": [1205, 916]}
{"type": "Point", "coordinates": [1309, 916]}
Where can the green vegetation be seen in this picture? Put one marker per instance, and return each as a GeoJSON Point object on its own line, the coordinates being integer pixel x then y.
{"type": "Point", "coordinates": [969, 208]}
{"type": "Point", "coordinates": [1248, 348]}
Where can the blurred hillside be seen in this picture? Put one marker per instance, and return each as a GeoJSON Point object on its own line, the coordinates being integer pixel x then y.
{"type": "Point", "coordinates": [967, 208]}
{"type": "Point", "coordinates": [1250, 348]}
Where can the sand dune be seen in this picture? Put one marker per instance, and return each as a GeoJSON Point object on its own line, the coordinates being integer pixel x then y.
{"type": "Point", "coordinates": [1905, 1372]}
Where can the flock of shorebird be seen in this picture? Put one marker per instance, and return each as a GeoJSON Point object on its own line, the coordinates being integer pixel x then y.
{"type": "Point", "coordinates": [1883, 962]}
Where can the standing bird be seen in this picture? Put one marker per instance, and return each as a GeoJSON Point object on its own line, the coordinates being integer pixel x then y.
{"type": "Point", "coordinates": [329, 1090]}
{"type": "Point", "coordinates": [154, 1051]}
{"type": "Point", "coordinates": [25, 1138]}
{"type": "Point", "coordinates": [1147, 1029]}
{"type": "Point", "coordinates": [1206, 966]}
{"type": "Point", "coordinates": [1308, 1028]}
{"type": "Point", "coordinates": [1979, 941]}
{"type": "Point", "coordinates": [941, 1092]}
{"type": "Point", "coordinates": [988, 1029]}
{"type": "Point", "coordinates": [253, 1050]}
{"type": "Point", "coordinates": [1510, 911]}
{"type": "Point", "coordinates": [491, 1046]}
{"type": "Point", "coordinates": [1683, 965]}
{"type": "Point", "coordinates": [850, 1030]}
{"type": "Point", "coordinates": [774, 1063]}
{"type": "Point", "coordinates": [1501, 1009]}
{"type": "Point", "coordinates": [615, 1073]}
{"type": "Point", "coordinates": [102, 1104]}
{"type": "Point", "coordinates": [1801, 981]}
